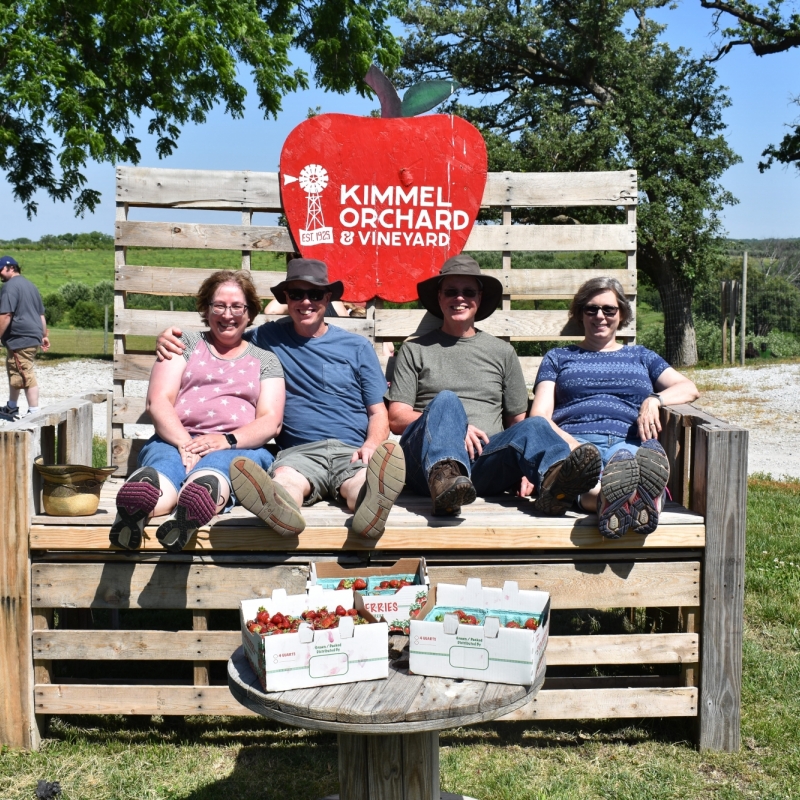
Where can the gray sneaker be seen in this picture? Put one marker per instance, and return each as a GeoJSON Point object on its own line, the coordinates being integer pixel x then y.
{"type": "Point", "coordinates": [386, 476]}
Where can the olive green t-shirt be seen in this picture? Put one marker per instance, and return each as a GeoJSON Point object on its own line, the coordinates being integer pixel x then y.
{"type": "Point", "coordinates": [482, 370]}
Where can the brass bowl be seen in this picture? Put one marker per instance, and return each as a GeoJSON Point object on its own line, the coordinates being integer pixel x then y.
{"type": "Point", "coordinates": [71, 490]}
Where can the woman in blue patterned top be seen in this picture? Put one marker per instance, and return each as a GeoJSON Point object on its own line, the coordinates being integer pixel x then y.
{"type": "Point", "coordinates": [601, 392]}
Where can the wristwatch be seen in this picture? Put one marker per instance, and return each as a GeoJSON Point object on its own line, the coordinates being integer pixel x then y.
{"type": "Point", "coordinates": [657, 397]}
{"type": "Point", "coordinates": [231, 439]}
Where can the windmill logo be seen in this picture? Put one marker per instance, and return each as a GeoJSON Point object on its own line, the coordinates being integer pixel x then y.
{"type": "Point", "coordinates": [313, 180]}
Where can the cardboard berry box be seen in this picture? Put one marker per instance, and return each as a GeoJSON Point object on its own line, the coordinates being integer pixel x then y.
{"type": "Point", "coordinates": [446, 641]}
{"type": "Point", "coordinates": [395, 605]}
{"type": "Point", "coordinates": [344, 654]}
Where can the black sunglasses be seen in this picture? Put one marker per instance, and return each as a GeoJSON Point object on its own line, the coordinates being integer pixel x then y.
{"type": "Point", "coordinates": [314, 295]}
{"type": "Point", "coordinates": [608, 311]}
{"type": "Point", "coordinates": [468, 293]}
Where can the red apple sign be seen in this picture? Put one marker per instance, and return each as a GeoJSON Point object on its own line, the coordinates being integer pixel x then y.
{"type": "Point", "coordinates": [383, 202]}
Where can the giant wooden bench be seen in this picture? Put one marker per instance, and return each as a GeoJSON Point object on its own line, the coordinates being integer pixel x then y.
{"type": "Point", "coordinates": [687, 575]}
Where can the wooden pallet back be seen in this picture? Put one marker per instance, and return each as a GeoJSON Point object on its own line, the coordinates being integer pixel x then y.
{"type": "Point", "coordinates": [249, 192]}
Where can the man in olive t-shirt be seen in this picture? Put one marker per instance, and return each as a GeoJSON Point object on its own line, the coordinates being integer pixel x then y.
{"type": "Point", "coordinates": [458, 398]}
{"type": "Point", "coordinates": [22, 331]}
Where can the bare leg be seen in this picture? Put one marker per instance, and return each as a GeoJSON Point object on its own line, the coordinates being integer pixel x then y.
{"type": "Point", "coordinates": [590, 500]}
{"type": "Point", "coordinates": [294, 483]}
{"type": "Point", "coordinates": [168, 500]}
{"type": "Point", "coordinates": [351, 487]}
{"type": "Point", "coordinates": [13, 394]}
{"type": "Point", "coordinates": [32, 393]}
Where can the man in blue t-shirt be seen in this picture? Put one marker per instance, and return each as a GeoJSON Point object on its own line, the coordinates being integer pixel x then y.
{"type": "Point", "coordinates": [335, 426]}
{"type": "Point", "coordinates": [23, 331]}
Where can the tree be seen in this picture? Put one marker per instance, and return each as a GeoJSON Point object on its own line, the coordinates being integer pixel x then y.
{"type": "Point", "coordinates": [765, 30]}
{"type": "Point", "coordinates": [566, 88]}
{"type": "Point", "coordinates": [76, 74]}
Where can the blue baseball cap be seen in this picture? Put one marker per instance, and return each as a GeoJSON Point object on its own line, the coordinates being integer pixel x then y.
{"type": "Point", "coordinates": [7, 261]}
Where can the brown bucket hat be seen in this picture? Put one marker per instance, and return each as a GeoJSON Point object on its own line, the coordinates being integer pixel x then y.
{"type": "Point", "coordinates": [311, 271]}
{"type": "Point", "coordinates": [491, 288]}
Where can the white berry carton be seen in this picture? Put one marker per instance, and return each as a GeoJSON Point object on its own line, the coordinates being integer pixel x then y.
{"type": "Point", "coordinates": [345, 654]}
{"type": "Point", "coordinates": [396, 607]}
{"type": "Point", "coordinates": [488, 652]}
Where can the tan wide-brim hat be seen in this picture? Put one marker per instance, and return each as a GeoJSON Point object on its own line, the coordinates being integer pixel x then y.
{"type": "Point", "coordinates": [311, 271]}
{"type": "Point", "coordinates": [491, 288]}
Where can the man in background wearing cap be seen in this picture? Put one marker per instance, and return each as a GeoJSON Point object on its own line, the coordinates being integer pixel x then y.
{"type": "Point", "coordinates": [458, 398]}
{"type": "Point", "coordinates": [335, 425]}
{"type": "Point", "coordinates": [22, 330]}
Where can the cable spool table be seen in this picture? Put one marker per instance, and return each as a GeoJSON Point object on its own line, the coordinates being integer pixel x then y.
{"type": "Point", "coordinates": [388, 730]}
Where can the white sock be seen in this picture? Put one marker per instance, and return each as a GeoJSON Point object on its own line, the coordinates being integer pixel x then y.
{"type": "Point", "coordinates": [33, 409]}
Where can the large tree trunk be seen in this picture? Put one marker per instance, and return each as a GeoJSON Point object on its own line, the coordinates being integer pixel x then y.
{"type": "Point", "coordinates": [676, 299]}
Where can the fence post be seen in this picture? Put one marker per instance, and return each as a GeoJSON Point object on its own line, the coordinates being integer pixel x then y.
{"type": "Point", "coordinates": [724, 296]}
{"type": "Point", "coordinates": [105, 331]}
{"type": "Point", "coordinates": [743, 325]}
{"type": "Point", "coordinates": [733, 305]}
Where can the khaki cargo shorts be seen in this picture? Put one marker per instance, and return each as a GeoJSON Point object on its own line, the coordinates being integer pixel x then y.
{"type": "Point", "coordinates": [19, 365]}
{"type": "Point", "coordinates": [325, 465]}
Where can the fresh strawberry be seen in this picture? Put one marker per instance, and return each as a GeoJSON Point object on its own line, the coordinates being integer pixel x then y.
{"type": "Point", "coordinates": [394, 583]}
{"type": "Point", "coordinates": [278, 619]}
{"type": "Point", "coordinates": [531, 624]}
{"type": "Point", "coordinates": [470, 619]}
{"type": "Point", "coordinates": [352, 612]}
{"type": "Point", "coordinates": [327, 622]}
{"type": "Point", "coordinates": [345, 583]}
{"type": "Point", "coordinates": [384, 585]}
{"type": "Point", "coordinates": [512, 623]}
{"type": "Point", "coordinates": [341, 611]}
{"type": "Point", "coordinates": [262, 617]}
{"type": "Point", "coordinates": [461, 614]}
{"type": "Point", "coordinates": [359, 584]}
{"type": "Point", "coordinates": [404, 583]}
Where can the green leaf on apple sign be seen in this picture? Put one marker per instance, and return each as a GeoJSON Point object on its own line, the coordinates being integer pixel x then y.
{"type": "Point", "coordinates": [424, 96]}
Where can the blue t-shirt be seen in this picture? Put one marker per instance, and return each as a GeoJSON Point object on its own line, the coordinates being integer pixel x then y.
{"type": "Point", "coordinates": [600, 392]}
{"type": "Point", "coordinates": [330, 381]}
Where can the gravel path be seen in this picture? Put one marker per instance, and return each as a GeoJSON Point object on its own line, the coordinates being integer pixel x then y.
{"type": "Point", "coordinates": [764, 399]}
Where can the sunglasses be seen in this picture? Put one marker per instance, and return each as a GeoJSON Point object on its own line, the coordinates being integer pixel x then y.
{"type": "Point", "coordinates": [314, 295]}
{"type": "Point", "coordinates": [608, 311]}
{"type": "Point", "coordinates": [470, 294]}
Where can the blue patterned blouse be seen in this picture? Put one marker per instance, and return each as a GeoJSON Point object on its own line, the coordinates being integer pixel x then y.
{"type": "Point", "coordinates": [600, 392]}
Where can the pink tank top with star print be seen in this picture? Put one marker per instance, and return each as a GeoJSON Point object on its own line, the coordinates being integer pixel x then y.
{"type": "Point", "coordinates": [218, 395]}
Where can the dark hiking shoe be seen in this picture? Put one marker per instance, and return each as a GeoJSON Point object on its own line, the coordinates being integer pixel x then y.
{"type": "Point", "coordinates": [268, 500]}
{"type": "Point", "coordinates": [566, 480]}
{"type": "Point", "coordinates": [648, 500]}
{"type": "Point", "coordinates": [197, 505]}
{"type": "Point", "coordinates": [619, 482]}
{"type": "Point", "coordinates": [136, 500]}
{"type": "Point", "coordinates": [10, 414]}
{"type": "Point", "coordinates": [386, 476]}
{"type": "Point", "coordinates": [449, 488]}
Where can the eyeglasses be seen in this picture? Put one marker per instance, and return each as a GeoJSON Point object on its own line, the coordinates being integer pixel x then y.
{"type": "Point", "coordinates": [237, 309]}
{"type": "Point", "coordinates": [314, 295]}
{"type": "Point", "coordinates": [470, 294]}
{"type": "Point", "coordinates": [608, 311]}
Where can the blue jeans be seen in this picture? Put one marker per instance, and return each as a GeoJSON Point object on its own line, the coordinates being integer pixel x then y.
{"type": "Point", "coordinates": [528, 448]}
{"type": "Point", "coordinates": [165, 459]}
{"type": "Point", "coordinates": [608, 444]}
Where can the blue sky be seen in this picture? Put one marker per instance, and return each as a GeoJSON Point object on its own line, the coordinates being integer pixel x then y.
{"type": "Point", "coordinates": [760, 89]}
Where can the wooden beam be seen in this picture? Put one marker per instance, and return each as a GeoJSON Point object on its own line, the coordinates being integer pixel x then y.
{"type": "Point", "coordinates": [17, 721]}
{"type": "Point", "coordinates": [721, 491]}
{"type": "Point", "coordinates": [217, 700]}
{"type": "Point", "coordinates": [548, 238]}
{"type": "Point", "coordinates": [199, 236]}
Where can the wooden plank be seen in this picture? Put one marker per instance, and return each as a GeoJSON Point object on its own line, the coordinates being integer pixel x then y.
{"type": "Point", "coordinates": [140, 322]}
{"type": "Point", "coordinates": [131, 409]}
{"type": "Point", "coordinates": [130, 367]}
{"type": "Point", "coordinates": [198, 188]}
{"type": "Point", "coordinates": [183, 282]}
{"type": "Point", "coordinates": [459, 537]}
{"type": "Point", "coordinates": [121, 645]}
{"type": "Point", "coordinates": [594, 585]}
{"type": "Point", "coordinates": [198, 236]}
{"type": "Point", "coordinates": [217, 700]}
{"type": "Point", "coordinates": [421, 766]}
{"type": "Point", "coordinates": [17, 721]}
{"type": "Point", "coordinates": [385, 767]}
{"type": "Point", "coordinates": [459, 698]}
{"type": "Point", "coordinates": [259, 191]}
{"type": "Point", "coordinates": [725, 487]}
{"type": "Point", "coordinates": [353, 781]}
{"type": "Point", "coordinates": [159, 585]}
{"type": "Point", "coordinates": [124, 453]}
{"type": "Point", "coordinates": [519, 283]}
{"type": "Point", "coordinates": [645, 648]}
{"type": "Point", "coordinates": [201, 666]}
{"type": "Point", "coordinates": [551, 238]}
{"type": "Point", "coordinates": [607, 704]}
{"type": "Point", "coordinates": [94, 645]}
{"type": "Point", "coordinates": [530, 189]}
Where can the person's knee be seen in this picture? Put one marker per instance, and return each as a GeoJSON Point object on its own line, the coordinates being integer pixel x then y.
{"type": "Point", "coordinates": [445, 398]}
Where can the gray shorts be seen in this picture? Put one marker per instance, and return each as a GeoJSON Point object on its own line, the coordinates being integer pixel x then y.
{"type": "Point", "coordinates": [325, 465]}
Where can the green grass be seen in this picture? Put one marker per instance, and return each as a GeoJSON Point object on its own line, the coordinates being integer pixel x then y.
{"type": "Point", "coordinates": [205, 759]}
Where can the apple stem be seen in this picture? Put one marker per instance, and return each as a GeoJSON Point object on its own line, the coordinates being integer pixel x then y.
{"type": "Point", "coordinates": [387, 94]}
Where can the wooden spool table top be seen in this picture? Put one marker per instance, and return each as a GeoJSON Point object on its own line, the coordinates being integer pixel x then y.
{"type": "Point", "coordinates": [401, 704]}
